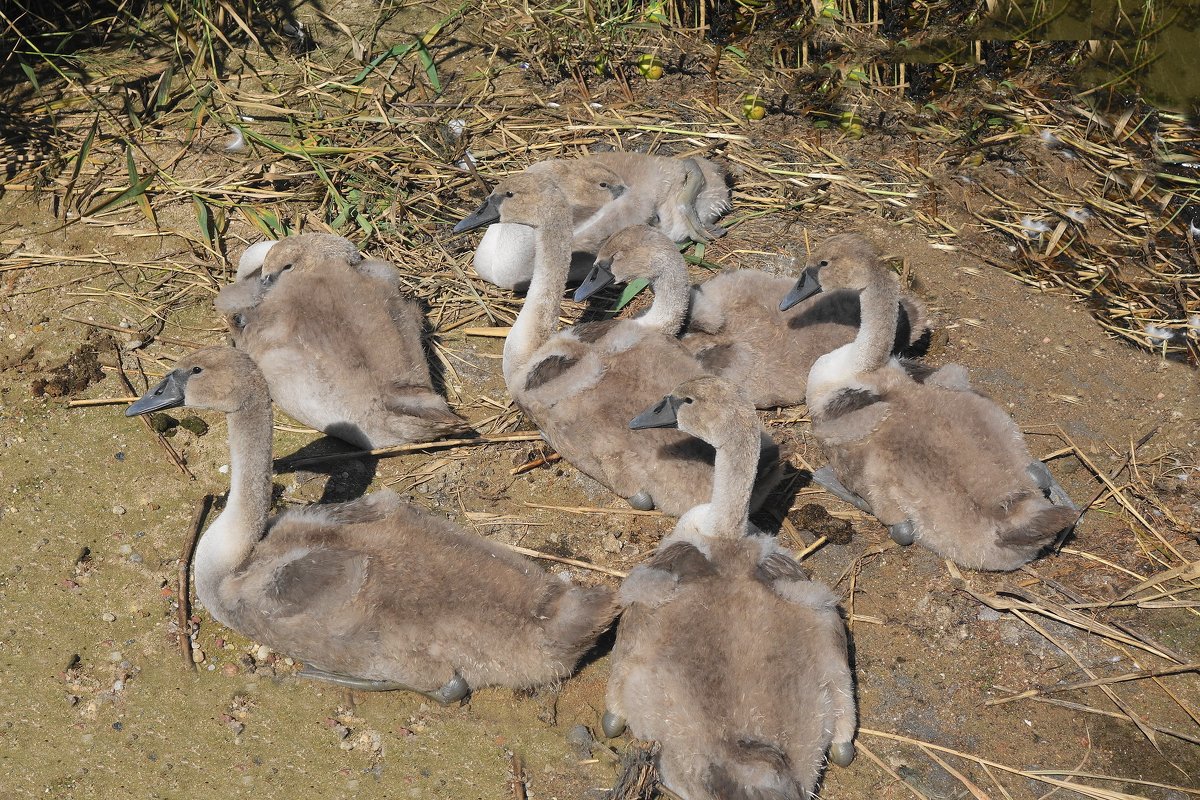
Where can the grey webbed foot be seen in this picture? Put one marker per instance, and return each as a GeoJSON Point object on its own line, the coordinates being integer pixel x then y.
{"type": "Point", "coordinates": [902, 533]}
{"type": "Point", "coordinates": [455, 689]}
{"type": "Point", "coordinates": [351, 682]}
{"type": "Point", "coordinates": [825, 478]}
{"type": "Point", "coordinates": [612, 725]}
{"type": "Point", "coordinates": [841, 753]}
{"type": "Point", "coordinates": [715, 231]}
{"type": "Point", "coordinates": [642, 501]}
{"type": "Point", "coordinates": [1045, 481]}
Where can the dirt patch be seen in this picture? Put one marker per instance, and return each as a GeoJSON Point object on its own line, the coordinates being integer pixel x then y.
{"type": "Point", "coordinates": [78, 372]}
{"type": "Point", "coordinates": [950, 689]}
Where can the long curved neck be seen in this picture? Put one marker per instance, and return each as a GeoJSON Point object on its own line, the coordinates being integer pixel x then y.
{"type": "Point", "coordinates": [543, 302]}
{"type": "Point", "coordinates": [234, 534]}
{"type": "Point", "coordinates": [733, 481]}
{"type": "Point", "coordinates": [671, 294]}
{"type": "Point", "coordinates": [879, 306]}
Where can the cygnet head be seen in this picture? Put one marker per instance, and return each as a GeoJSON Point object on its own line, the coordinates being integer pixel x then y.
{"type": "Point", "coordinates": [307, 251]}
{"type": "Point", "coordinates": [532, 198]}
{"type": "Point", "coordinates": [709, 408]}
{"type": "Point", "coordinates": [639, 251]}
{"type": "Point", "coordinates": [845, 261]}
{"type": "Point", "coordinates": [588, 185]}
{"type": "Point", "coordinates": [219, 378]}
{"type": "Point", "coordinates": [252, 257]}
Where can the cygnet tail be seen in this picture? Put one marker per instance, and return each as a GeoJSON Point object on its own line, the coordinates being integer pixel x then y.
{"type": "Point", "coordinates": [575, 617]}
{"type": "Point", "coordinates": [752, 770]}
{"type": "Point", "coordinates": [422, 415]}
{"type": "Point", "coordinates": [1033, 523]}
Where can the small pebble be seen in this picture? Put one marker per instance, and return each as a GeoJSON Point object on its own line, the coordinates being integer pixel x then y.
{"type": "Point", "coordinates": [197, 656]}
{"type": "Point", "coordinates": [125, 549]}
{"type": "Point", "coordinates": [136, 558]}
{"type": "Point", "coordinates": [262, 653]}
{"type": "Point", "coordinates": [988, 614]}
{"type": "Point", "coordinates": [108, 616]}
{"type": "Point", "coordinates": [579, 736]}
{"type": "Point", "coordinates": [118, 510]}
{"type": "Point", "coordinates": [611, 544]}
{"type": "Point", "coordinates": [117, 726]}
{"type": "Point", "coordinates": [119, 456]}
{"type": "Point", "coordinates": [115, 656]}
{"type": "Point", "coordinates": [229, 670]}
{"type": "Point", "coordinates": [118, 686]}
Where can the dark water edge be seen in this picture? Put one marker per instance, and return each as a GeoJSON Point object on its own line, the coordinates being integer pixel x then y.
{"type": "Point", "coordinates": [1151, 48]}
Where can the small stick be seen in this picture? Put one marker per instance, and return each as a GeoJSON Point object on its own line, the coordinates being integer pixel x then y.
{"type": "Point", "coordinates": [183, 600]}
{"type": "Point", "coordinates": [162, 440]}
{"type": "Point", "coordinates": [866, 751]}
{"type": "Point", "coordinates": [1128, 676]}
{"type": "Point", "coordinates": [812, 548]}
{"type": "Point", "coordinates": [633, 512]}
{"type": "Point", "coordinates": [518, 778]}
{"type": "Point", "coordinates": [521, 436]}
{"type": "Point", "coordinates": [494, 333]}
{"type": "Point", "coordinates": [541, 461]}
{"type": "Point", "coordinates": [100, 401]}
{"type": "Point", "coordinates": [119, 329]}
{"type": "Point", "coordinates": [525, 551]}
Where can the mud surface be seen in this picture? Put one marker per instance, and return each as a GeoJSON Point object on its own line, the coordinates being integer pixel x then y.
{"type": "Point", "coordinates": [97, 703]}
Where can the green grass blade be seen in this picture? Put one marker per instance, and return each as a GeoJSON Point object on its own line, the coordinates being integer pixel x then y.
{"type": "Point", "coordinates": [80, 158]}
{"type": "Point", "coordinates": [631, 291]}
{"type": "Point", "coordinates": [204, 220]}
{"type": "Point", "coordinates": [32, 76]}
{"type": "Point", "coordinates": [137, 189]}
{"type": "Point", "coordinates": [430, 68]}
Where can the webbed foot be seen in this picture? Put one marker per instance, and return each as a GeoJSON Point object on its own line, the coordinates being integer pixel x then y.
{"type": "Point", "coordinates": [351, 682]}
{"type": "Point", "coordinates": [841, 753]}
{"type": "Point", "coordinates": [715, 231]}
{"type": "Point", "coordinates": [825, 478]}
{"type": "Point", "coordinates": [455, 689]}
{"type": "Point", "coordinates": [612, 725]}
{"type": "Point", "coordinates": [1050, 487]}
{"type": "Point", "coordinates": [642, 501]}
{"type": "Point", "coordinates": [902, 533]}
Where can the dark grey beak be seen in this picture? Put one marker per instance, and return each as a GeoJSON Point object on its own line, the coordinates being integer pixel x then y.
{"type": "Point", "coordinates": [663, 415]}
{"type": "Point", "coordinates": [616, 189]}
{"type": "Point", "coordinates": [597, 279]}
{"type": "Point", "coordinates": [168, 394]}
{"type": "Point", "coordinates": [486, 214]}
{"type": "Point", "coordinates": [806, 287]}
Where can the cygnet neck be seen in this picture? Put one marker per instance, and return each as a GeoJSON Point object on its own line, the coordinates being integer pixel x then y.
{"type": "Point", "coordinates": [237, 530]}
{"type": "Point", "coordinates": [672, 292]}
{"type": "Point", "coordinates": [543, 302]}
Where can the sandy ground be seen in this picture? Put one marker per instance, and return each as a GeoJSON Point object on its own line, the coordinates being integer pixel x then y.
{"type": "Point", "coordinates": [96, 700]}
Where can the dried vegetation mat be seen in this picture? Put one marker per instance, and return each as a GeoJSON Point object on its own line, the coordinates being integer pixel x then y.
{"type": "Point", "coordinates": [183, 130]}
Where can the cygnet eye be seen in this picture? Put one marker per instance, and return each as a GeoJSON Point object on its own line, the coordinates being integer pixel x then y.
{"type": "Point", "coordinates": [688, 400]}
{"type": "Point", "coordinates": [824, 262]}
{"type": "Point", "coordinates": [603, 184]}
{"type": "Point", "coordinates": [508, 194]}
{"type": "Point", "coordinates": [286, 267]}
{"type": "Point", "coordinates": [239, 320]}
{"type": "Point", "coordinates": [197, 370]}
